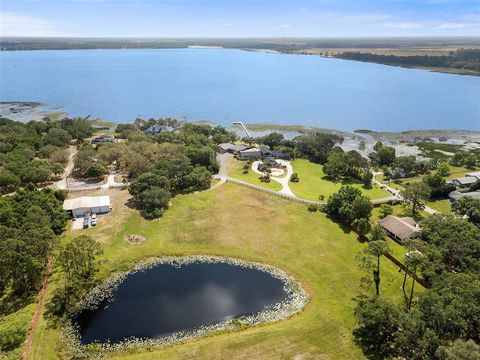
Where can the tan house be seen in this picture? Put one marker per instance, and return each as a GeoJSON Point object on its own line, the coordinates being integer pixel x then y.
{"type": "Point", "coordinates": [400, 228]}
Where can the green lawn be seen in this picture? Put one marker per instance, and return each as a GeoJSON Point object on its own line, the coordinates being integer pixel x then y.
{"type": "Point", "coordinates": [235, 170]}
{"type": "Point", "coordinates": [238, 222]}
{"type": "Point", "coordinates": [455, 172]}
{"type": "Point", "coordinates": [444, 206]}
{"type": "Point", "coordinates": [312, 184]}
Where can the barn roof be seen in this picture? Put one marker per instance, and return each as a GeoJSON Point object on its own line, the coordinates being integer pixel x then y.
{"type": "Point", "coordinates": [84, 202]}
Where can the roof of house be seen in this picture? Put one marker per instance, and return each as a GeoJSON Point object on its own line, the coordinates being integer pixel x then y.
{"type": "Point", "coordinates": [475, 174]}
{"type": "Point", "coordinates": [455, 195]}
{"type": "Point", "coordinates": [159, 128]}
{"type": "Point", "coordinates": [233, 147]}
{"type": "Point", "coordinates": [86, 202]}
{"type": "Point", "coordinates": [400, 227]}
{"type": "Point", "coordinates": [251, 150]}
{"type": "Point", "coordinates": [466, 180]}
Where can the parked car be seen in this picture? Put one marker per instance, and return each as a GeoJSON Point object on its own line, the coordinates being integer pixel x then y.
{"type": "Point", "coordinates": [86, 222]}
{"type": "Point", "coordinates": [94, 220]}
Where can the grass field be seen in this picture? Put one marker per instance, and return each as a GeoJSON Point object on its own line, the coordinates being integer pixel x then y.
{"type": "Point", "coordinates": [239, 222]}
{"type": "Point", "coordinates": [444, 206]}
{"type": "Point", "coordinates": [235, 170]}
{"type": "Point", "coordinates": [312, 184]}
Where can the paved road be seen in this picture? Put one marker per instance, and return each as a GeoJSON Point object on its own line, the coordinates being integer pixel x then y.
{"type": "Point", "coordinates": [284, 181]}
{"type": "Point", "coordinates": [396, 194]}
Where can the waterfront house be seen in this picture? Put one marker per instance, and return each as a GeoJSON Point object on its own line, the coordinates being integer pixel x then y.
{"type": "Point", "coordinates": [157, 129]}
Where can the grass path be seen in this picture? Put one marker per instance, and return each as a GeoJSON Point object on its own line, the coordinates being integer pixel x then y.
{"type": "Point", "coordinates": [238, 222]}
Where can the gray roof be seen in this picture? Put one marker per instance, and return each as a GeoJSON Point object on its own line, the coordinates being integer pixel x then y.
{"type": "Point", "coordinates": [475, 174]}
{"type": "Point", "coordinates": [455, 195]}
{"type": "Point", "coordinates": [402, 228]}
{"type": "Point", "coordinates": [158, 128]}
{"type": "Point", "coordinates": [467, 180]}
{"type": "Point", "coordinates": [233, 147]}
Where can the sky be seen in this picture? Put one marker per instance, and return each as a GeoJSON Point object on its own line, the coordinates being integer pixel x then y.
{"type": "Point", "coordinates": [239, 18]}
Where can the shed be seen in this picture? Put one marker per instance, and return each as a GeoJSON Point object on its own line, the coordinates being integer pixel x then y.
{"type": "Point", "coordinates": [400, 228]}
{"type": "Point", "coordinates": [78, 207]}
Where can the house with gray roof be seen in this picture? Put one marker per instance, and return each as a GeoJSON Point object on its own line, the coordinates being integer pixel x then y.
{"type": "Point", "coordinates": [455, 195]}
{"type": "Point", "coordinates": [475, 174]}
{"type": "Point", "coordinates": [247, 154]}
{"type": "Point", "coordinates": [400, 229]}
{"type": "Point", "coordinates": [464, 181]}
{"type": "Point", "coordinates": [232, 148]}
{"type": "Point", "coordinates": [157, 129]}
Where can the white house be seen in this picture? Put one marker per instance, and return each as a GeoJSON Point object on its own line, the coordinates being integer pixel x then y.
{"type": "Point", "coordinates": [78, 207]}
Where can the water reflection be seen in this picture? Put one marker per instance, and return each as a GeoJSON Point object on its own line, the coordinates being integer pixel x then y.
{"type": "Point", "coordinates": [167, 299]}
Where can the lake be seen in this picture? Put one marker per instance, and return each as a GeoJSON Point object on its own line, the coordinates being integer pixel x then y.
{"type": "Point", "coordinates": [233, 85]}
{"type": "Point", "coordinates": [166, 299]}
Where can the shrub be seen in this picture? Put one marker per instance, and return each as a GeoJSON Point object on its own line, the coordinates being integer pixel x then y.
{"type": "Point", "coordinates": [313, 208]}
{"type": "Point", "coordinates": [294, 178]}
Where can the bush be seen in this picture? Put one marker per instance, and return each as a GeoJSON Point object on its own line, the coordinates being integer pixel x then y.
{"type": "Point", "coordinates": [13, 329]}
{"type": "Point", "coordinates": [294, 178]}
{"type": "Point", "coordinates": [313, 208]}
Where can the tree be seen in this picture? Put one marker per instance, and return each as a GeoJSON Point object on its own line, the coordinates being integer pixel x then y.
{"type": "Point", "coordinates": [316, 147]}
{"type": "Point", "coordinates": [57, 169]}
{"type": "Point", "coordinates": [294, 178]}
{"type": "Point", "coordinates": [385, 156]}
{"type": "Point", "coordinates": [154, 202]}
{"type": "Point", "coordinates": [415, 195]}
{"type": "Point", "coordinates": [367, 178]}
{"type": "Point", "coordinates": [385, 210]}
{"type": "Point", "coordinates": [349, 205]}
{"type": "Point", "coordinates": [8, 182]}
{"type": "Point", "coordinates": [147, 181]}
{"type": "Point", "coordinates": [377, 322]}
{"type": "Point", "coordinates": [80, 264]}
{"type": "Point", "coordinates": [361, 145]}
{"type": "Point", "coordinates": [460, 350]}
{"type": "Point", "coordinates": [273, 140]}
{"type": "Point", "coordinates": [470, 162]}
{"type": "Point", "coordinates": [407, 163]}
{"type": "Point", "coordinates": [96, 170]}
{"type": "Point", "coordinates": [370, 256]}
{"type": "Point", "coordinates": [452, 246]}
{"type": "Point", "coordinates": [467, 206]}
{"type": "Point", "coordinates": [443, 169]}
{"type": "Point", "coordinates": [57, 137]}
{"type": "Point", "coordinates": [439, 187]}
{"type": "Point", "coordinates": [197, 179]}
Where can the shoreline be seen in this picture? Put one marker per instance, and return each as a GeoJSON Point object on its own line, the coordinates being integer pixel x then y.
{"type": "Point", "coordinates": [441, 70]}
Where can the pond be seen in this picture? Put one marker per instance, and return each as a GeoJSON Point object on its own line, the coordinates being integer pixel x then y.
{"type": "Point", "coordinates": [168, 298]}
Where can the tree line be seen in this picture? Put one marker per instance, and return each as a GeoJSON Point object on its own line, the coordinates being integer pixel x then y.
{"type": "Point", "coordinates": [35, 152]}
{"type": "Point", "coordinates": [462, 59]}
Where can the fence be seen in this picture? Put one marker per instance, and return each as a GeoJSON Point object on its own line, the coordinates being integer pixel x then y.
{"type": "Point", "coordinates": [272, 192]}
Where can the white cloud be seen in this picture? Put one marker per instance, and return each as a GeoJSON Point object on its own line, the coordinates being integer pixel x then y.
{"type": "Point", "coordinates": [285, 26]}
{"type": "Point", "coordinates": [450, 26]}
{"type": "Point", "coordinates": [403, 26]}
{"type": "Point", "coordinates": [16, 24]}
